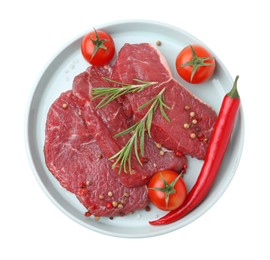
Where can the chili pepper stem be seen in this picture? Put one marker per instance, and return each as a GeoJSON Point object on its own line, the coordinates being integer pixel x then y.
{"type": "Point", "coordinates": [234, 93]}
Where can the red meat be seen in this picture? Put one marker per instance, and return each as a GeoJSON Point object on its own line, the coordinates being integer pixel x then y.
{"type": "Point", "coordinates": [191, 120]}
{"type": "Point", "coordinates": [75, 159]}
{"type": "Point", "coordinates": [105, 122]}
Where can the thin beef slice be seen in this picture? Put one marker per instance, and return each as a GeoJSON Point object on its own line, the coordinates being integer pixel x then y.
{"type": "Point", "coordinates": [74, 158]}
{"type": "Point", "coordinates": [191, 120]}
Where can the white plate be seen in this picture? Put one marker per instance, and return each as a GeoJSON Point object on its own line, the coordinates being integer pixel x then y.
{"type": "Point", "coordinates": [58, 76]}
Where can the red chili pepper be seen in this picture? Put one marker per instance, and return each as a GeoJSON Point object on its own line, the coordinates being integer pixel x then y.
{"type": "Point", "coordinates": [109, 205]}
{"type": "Point", "coordinates": [217, 148]}
{"type": "Point", "coordinates": [87, 214]}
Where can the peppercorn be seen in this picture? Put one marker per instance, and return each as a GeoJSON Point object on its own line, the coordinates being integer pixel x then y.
{"type": "Point", "coordinates": [178, 153]}
{"type": "Point", "coordinates": [158, 43]}
{"type": "Point", "coordinates": [192, 114]}
{"type": "Point", "coordinates": [158, 145]}
{"type": "Point", "coordinates": [87, 214]}
{"type": "Point", "coordinates": [147, 208]}
{"type": "Point", "coordinates": [186, 125]}
{"type": "Point", "coordinates": [97, 218]}
{"type": "Point", "coordinates": [100, 156]}
{"type": "Point", "coordinates": [192, 135]}
{"type": "Point", "coordinates": [109, 205]}
{"type": "Point", "coordinates": [120, 206]}
{"type": "Point", "coordinates": [115, 204]}
{"type": "Point", "coordinates": [126, 194]}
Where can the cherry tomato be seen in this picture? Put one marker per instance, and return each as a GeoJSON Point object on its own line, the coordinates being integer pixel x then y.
{"type": "Point", "coordinates": [98, 48]}
{"type": "Point", "coordinates": [167, 190]}
{"type": "Point", "coordinates": [195, 64]}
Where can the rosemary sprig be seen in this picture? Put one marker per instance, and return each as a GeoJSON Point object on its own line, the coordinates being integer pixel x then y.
{"type": "Point", "coordinates": [113, 93]}
{"type": "Point", "coordinates": [138, 133]}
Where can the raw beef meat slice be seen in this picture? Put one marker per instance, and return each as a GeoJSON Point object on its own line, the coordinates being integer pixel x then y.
{"type": "Point", "coordinates": [191, 120]}
{"type": "Point", "coordinates": [76, 161]}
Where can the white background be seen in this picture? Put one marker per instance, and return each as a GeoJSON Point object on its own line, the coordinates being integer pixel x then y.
{"type": "Point", "coordinates": [236, 227]}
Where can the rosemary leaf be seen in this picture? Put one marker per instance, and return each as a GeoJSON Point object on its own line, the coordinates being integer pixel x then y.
{"type": "Point", "coordinates": [123, 157]}
{"type": "Point", "coordinates": [149, 123]}
{"type": "Point", "coordinates": [138, 134]}
{"type": "Point", "coordinates": [163, 113]}
{"type": "Point", "coordinates": [147, 103]}
{"type": "Point", "coordinates": [141, 135]}
{"type": "Point", "coordinates": [109, 94]}
{"type": "Point", "coordinates": [128, 130]}
{"type": "Point", "coordinates": [136, 148]}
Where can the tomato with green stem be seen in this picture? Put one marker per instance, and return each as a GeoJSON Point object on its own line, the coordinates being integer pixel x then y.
{"type": "Point", "coordinates": [98, 47]}
{"type": "Point", "coordinates": [195, 64]}
{"type": "Point", "coordinates": [167, 190]}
